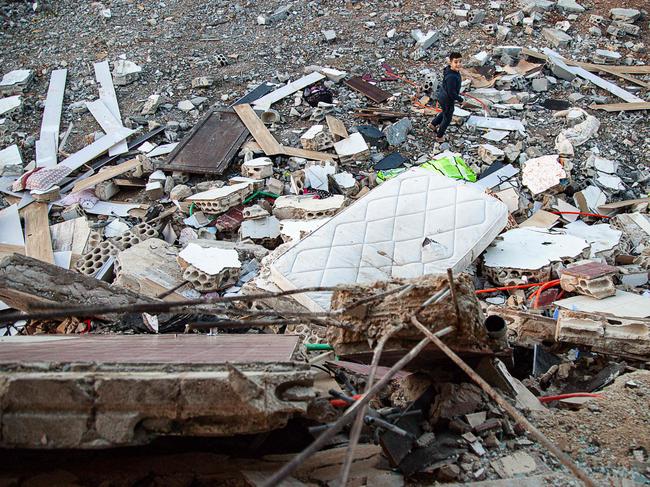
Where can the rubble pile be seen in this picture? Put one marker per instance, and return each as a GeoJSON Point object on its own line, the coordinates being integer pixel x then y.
{"type": "Point", "coordinates": [240, 209]}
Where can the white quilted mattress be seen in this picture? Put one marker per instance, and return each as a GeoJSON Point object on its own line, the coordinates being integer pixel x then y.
{"type": "Point", "coordinates": [415, 224]}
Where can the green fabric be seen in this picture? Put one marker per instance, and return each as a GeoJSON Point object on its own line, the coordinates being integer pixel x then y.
{"type": "Point", "coordinates": [389, 174]}
{"type": "Point", "coordinates": [452, 167]}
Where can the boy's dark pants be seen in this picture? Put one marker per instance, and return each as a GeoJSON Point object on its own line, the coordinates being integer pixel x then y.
{"type": "Point", "coordinates": [443, 119]}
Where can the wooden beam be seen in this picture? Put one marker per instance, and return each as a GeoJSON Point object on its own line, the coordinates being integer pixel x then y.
{"type": "Point", "coordinates": [256, 127]}
{"type": "Point", "coordinates": [37, 232]}
{"type": "Point", "coordinates": [268, 143]}
{"type": "Point", "coordinates": [106, 174]}
{"type": "Point", "coordinates": [621, 107]}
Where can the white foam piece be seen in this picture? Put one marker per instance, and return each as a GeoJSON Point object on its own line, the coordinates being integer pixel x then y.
{"type": "Point", "coordinates": [384, 235]}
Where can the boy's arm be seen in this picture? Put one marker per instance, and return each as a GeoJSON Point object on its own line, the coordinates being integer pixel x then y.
{"type": "Point", "coordinates": [457, 91]}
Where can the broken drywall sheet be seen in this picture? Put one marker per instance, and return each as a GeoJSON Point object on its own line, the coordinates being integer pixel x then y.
{"type": "Point", "coordinates": [11, 231]}
{"type": "Point", "coordinates": [494, 123]}
{"type": "Point", "coordinates": [210, 260]}
{"type": "Point", "coordinates": [623, 305]}
{"type": "Point", "coordinates": [532, 248]}
{"type": "Point", "coordinates": [417, 223]}
{"type": "Point", "coordinates": [602, 237]}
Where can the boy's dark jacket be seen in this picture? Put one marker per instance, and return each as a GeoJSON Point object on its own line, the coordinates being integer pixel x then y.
{"type": "Point", "coordinates": [450, 87]}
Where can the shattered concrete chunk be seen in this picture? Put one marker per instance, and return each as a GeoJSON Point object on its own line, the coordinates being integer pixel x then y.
{"type": "Point", "coordinates": [556, 37]}
{"type": "Point", "coordinates": [625, 14]}
{"type": "Point", "coordinates": [125, 72]}
{"type": "Point", "coordinates": [298, 207]}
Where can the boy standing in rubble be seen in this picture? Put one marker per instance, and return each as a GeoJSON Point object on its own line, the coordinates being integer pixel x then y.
{"type": "Point", "coordinates": [448, 93]}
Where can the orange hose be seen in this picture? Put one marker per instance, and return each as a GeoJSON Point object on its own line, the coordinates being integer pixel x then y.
{"type": "Point", "coordinates": [507, 288]}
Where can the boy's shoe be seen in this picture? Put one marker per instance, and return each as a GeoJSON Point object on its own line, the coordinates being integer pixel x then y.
{"type": "Point", "coordinates": [432, 126]}
{"type": "Point", "coordinates": [440, 139]}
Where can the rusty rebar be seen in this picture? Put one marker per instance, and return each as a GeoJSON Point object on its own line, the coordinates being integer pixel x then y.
{"type": "Point", "coordinates": [350, 414]}
{"type": "Point", "coordinates": [507, 407]}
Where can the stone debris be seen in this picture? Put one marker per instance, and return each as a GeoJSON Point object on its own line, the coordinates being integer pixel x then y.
{"type": "Point", "coordinates": [271, 149]}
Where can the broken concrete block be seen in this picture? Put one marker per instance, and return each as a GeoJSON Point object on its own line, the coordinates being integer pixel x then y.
{"type": "Point", "coordinates": [222, 391]}
{"type": "Point", "coordinates": [306, 207]}
{"type": "Point", "coordinates": [185, 106]}
{"type": "Point", "coordinates": [16, 81]}
{"type": "Point", "coordinates": [556, 37]}
{"type": "Point", "coordinates": [151, 105]}
{"type": "Point", "coordinates": [258, 168]}
{"type": "Point", "coordinates": [254, 212]}
{"type": "Point", "coordinates": [262, 231]}
{"type": "Point", "coordinates": [209, 269]}
{"type": "Point", "coordinates": [154, 190]}
{"type": "Point", "coordinates": [603, 56]}
{"type": "Point", "coordinates": [180, 192]}
{"type": "Point", "coordinates": [425, 41]}
{"type": "Point", "coordinates": [202, 82]}
{"type": "Point", "coordinates": [579, 134]}
{"type": "Point", "coordinates": [476, 16]}
{"type": "Point", "coordinates": [570, 6]}
{"type": "Point", "coordinates": [604, 333]}
{"type": "Point", "coordinates": [490, 153]}
{"type": "Point", "coordinates": [591, 279]}
{"type": "Point", "coordinates": [316, 138]}
{"type": "Point", "coordinates": [629, 29]}
{"type": "Point", "coordinates": [540, 85]}
{"type": "Point", "coordinates": [528, 253]}
{"type": "Point", "coordinates": [542, 173]}
{"type": "Point", "coordinates": [9, 104]}
{"type": "Point", "coordinates": [150, 268]}
{"type": "Point", "coordinates": [125, 72]}
{"type": "Point", "coordinates": [365, 324]}
{"type": "Point", "coordinates": [219, 200]}
{"type": "Point", "coordinates": [354, 148]}
{"type": "Point", "coordinates": [93, 261]}
{"type": "Point", "coordinates": [629, 15]}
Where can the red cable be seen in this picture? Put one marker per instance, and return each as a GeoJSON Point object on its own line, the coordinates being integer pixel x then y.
{"type": "Point", "coordinates": [341, 403]}
{"type": "Point", "coordinates": [595, 215]}
{"type": "Point", "coordinates": [507, 288]}
{"type": "Point", "coordinates": [538, 292]}
{"type": "Point", "coordinates": [546, 399]}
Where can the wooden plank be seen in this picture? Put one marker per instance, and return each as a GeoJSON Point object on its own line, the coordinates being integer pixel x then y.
{"type": "Point", "coordinates": [371, 91]}
{"type": "Point", "coordinates": [106, 174]}
{"type": "Point", "coordinates": [7, 249]}
{"type": "Point", "coordinates": [108, 96]}
{"type": "Point", "coordinates": [621, 107]}
{"type": "Point", "coordinates": [258, 130]}
{"type": "Point", "coordinates": [37, 232]}
{"type": "Point", "coordinates": [337, 128]}
{"type": "Point", "coordinates": [267, 142]}
{"type": "Point", "coordinates": [624, 76]}
{"type": "Point", "coordinates": [70, 235]}
{"type": "Point", "coordinates": [266, 101]}
{"type": "Point", "coordinates": [307, 154]}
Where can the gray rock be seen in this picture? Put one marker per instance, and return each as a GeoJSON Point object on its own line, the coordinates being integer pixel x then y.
{"type": "Point", "coordinates": [202, 82]}
{"type": "Point", "coordinates": [125, 72]}
{"type": "Point", "coordinates": [185, 105]}
{"type": "Point", "coordinates": [151, 105]}
{"type": "Point", "coordinates": [570, 6]}
{"type": "Point", "coordinates": [556, 37]}
{"type": "Point", "coordinates": [625, 14]}
{"type": "Point", "coordinates": [397, 132]}
{"type": "Point", "coordinates": [540, 84]}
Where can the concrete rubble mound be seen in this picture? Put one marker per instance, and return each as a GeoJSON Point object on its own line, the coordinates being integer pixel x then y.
{"type": "Point", "coordinates": [233, 241]}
